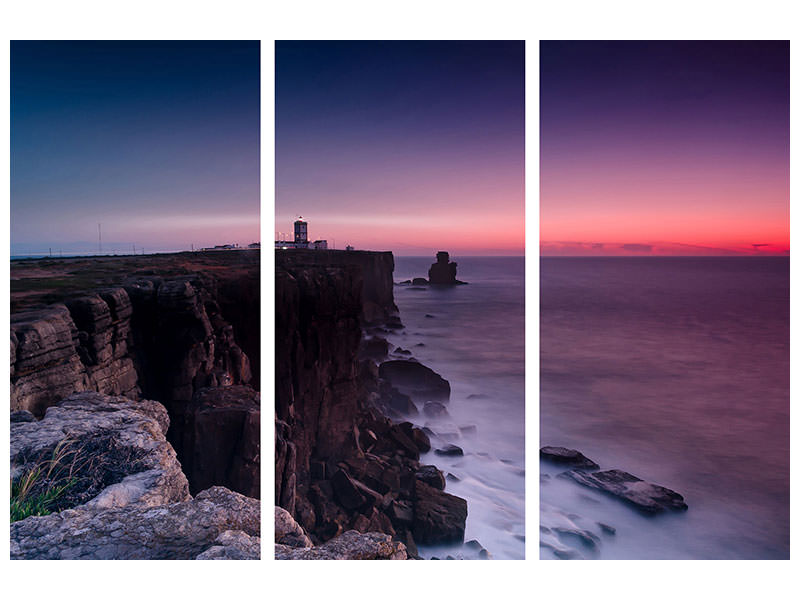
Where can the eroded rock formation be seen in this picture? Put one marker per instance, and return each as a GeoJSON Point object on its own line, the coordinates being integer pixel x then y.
{"type": "Point", "coordinates": [341, 464]}
{"type": "Point", "coordinates": [161, 339]}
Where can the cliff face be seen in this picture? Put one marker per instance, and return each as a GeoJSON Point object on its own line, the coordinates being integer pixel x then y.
{"type": "Point", "coordinates": [162, 339]}
{"type": "Point", "coordinates": [340, 464]}
{"type": "Point", "coordinates": [376, 268]}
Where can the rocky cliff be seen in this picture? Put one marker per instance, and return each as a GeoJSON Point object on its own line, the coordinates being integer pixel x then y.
{"type": "Point", "coordinates": [341, 464]}
{"type": "Point", "coordinates": [167, 339]}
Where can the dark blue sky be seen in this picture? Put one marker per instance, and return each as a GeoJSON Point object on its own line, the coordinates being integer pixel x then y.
{"type": "Point", "coordinates": [679, 146]}
{"type": "Point", "coordinates": [403, 145]}
{"type": "Point", "coordinates": [158, 141]}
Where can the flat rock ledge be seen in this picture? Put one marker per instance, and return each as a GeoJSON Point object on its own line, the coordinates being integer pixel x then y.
{"type": "Point", "coordinates": [181, 530]}
{"type": "Point", "coordinates": [134, 424]}
{"type": "Point", "coordinates": [642, 495]}
{"type": "Point", "coordinates": [351, 545]}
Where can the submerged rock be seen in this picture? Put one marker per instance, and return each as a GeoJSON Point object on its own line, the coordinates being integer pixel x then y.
{"type": "Point", "coordinates": [449, 450]}
{"type": "Point", "coordinates": [565, 456]}
{"type": "Point", "coordinates": [646, 497]}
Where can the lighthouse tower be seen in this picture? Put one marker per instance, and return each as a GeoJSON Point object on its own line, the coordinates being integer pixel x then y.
{"type": "Point", "coordinates": [300, 233]}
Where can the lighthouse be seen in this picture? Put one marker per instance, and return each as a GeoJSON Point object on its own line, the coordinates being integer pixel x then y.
{"type": "Point", "coordinates": [300, 233]}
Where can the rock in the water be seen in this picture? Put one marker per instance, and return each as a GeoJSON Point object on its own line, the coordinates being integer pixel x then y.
{"type": "Point", "coordinates": [443, 271]}
{"type": "Point", "coordinates": [181, 530]}
{"type": "Point", "coordinates": [419, 281]}
{"type": "Point", "coordinates": [351, 545]}
{"type": "Point", "coordinates": [449, 450]}
{"type": "Point", "coordinates": [432, 476]}
{"type": "Point", "coordinates": [416, 380]}
{"type": "Point", "coordinates": [434, 409]}
{"type": "Point", "coordinates": [646, 497]}
{"type": "Point", "coordinates": [566, 456]}
{"type": "Point", "coordinates": [607, 529]}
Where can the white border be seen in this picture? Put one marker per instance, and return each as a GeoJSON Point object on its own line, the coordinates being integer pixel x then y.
{"type": "Point", "coordinates": [410, 19]}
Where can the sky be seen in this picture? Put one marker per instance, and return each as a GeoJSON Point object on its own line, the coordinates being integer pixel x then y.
{"type": "Point", "coordinates": [158, 142]}
{"type": "Point", "coordinates": [412, 147]}
{"type": "Point", "coordinates": [676, 148]}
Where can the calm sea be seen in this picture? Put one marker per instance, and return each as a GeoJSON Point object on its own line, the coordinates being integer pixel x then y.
{"type": "Point", "coordinates": [473, 335]}
{"type": "Point", "coordinates": [676, 370]}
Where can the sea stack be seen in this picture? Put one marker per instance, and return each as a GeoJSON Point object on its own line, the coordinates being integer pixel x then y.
{"type": "Point", "coordinates": [443, 271]}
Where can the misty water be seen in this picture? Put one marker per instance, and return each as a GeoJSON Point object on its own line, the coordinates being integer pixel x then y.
{"type": "Point", "coordinates": [473, 336]}
{"type": "Point", "coordinates": [677, 371]}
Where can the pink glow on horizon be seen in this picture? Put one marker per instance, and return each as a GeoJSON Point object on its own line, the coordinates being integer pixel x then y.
{"type": "Point", "coordinates": [677, 206]}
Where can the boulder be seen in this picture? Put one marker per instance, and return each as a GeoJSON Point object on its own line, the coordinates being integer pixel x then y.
{"type": "Point", "coordinates": [565, 456]}
{"type": "Point", "coordinates": [432, 476]}
{"type": "Point", "coordinates": [416, 380]}
{"type": "Point", "coordinates": [288, 531]}
{"type": "Point", "coordinates": [449, 450]}
{"type": "Point", "coordinates": [434, 409]}
{"type": "Point", "coordinates": [439, 517]}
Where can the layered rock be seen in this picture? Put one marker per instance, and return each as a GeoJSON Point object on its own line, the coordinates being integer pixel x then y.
{"type": "Point", "coordinates": [163, 339]}
{"type": "Point", "coordinates": [59, 350]}
{"type": "Point", "coordinates": [375, 268]}
{"type": "Point", "coordinates": [222, 439]}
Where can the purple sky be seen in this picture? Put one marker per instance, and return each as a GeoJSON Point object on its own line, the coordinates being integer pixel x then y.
{"type": "Point", "coordinates": [664, 147]}
{"type": "Point", "coordinates": [412, 147]}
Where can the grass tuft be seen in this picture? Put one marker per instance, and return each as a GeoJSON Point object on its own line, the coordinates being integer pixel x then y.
{"type": "Point", "coordinates": [71, 473]}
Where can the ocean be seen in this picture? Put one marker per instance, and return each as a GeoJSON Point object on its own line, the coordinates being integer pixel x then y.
{"type": "Point", "coordinates": [474, 336]}
{"type": "Point", "coordinates": [675, 369]}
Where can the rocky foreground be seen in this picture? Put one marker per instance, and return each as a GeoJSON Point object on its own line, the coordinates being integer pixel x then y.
{"type": "Point", "coordinates": [142, 373]}
{"type": "Point", "coordinates": [348, 470]}
{"type": "Point", "coordinates": [147, 514]}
